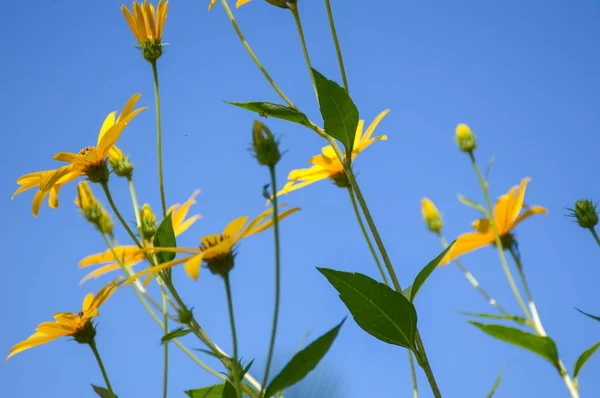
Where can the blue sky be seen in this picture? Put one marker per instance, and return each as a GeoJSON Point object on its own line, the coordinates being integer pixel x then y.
{"type": "Point", "coordinates": [522, 74]}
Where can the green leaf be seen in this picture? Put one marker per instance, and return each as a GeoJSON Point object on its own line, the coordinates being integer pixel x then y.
{"type": "Point", "coordinates": [425, 272]}
{"type": "Point", "coordinates": [513, 318]}
{"type": "Point", "coordinates": [496, 384]}
{"type": "Point", "coordinates": [583, 358]}
{"type": "Point", "coordinates": [407, 292]}
{"type": "Point", "coordinates": [165, 237]}
{"type": "Point", "coordinates": [103, 392]}
{"type": "Point", "coordinates": [277, 111]}
{"type": "Point", "coordinates": [472, 204]}
{"type": "Point", "coordinates": [303, 362]}
{"type": "Point", "coordinates": [589, 315]}
{"type": "Point", "coordinates": [179, 332]}
{"type": "Point", "coordinates": [340, 115]}
{"type": "Point", "coordinates": [229, 390]}
{"type": "Point", "coordinates": [378, 310]}
{"type": "Point", "coordinates": [543, 346]}
{"type": "Point", "coordinates": [207, 392]}
{"type": "Point", "coordinates": [488, 169]}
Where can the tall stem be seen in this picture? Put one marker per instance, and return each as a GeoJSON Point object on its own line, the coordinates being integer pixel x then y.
{"type": "Point", "coordinates": [595, 235]}
{"type": "Point", "coordinates": [338, 50]}
{"type": "Point", "coordinates": [366, 236]}
{"type": "Point", "coordinates": [413, 374]}
{"type": "Point", "coordinates": [294, 9]}
{"type": "Point", "coordinates": [114, 208]}
{"type": "Point", "coordinates": [474, 282]}
{"type": "Point", "coordinates": [235, 365]}
{"type": "Point", "coordinates": [277, 276]}
{"type": "Point", "coordinates": [159, 140]}
{"type": "Point", "coordinates": [136, 206]}
{"type": "Point", "coordinates": [490, 216]}
{"type": "Point", "coordinates": [165, 345]}
{"type": "Point", "coordinates": [253, 56]}
{"type": "Point", "coordinates": [92, 345]}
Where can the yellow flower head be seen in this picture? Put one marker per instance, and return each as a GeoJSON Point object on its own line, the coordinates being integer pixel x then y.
{"type": "Point", "coordinates": [132, 255]}
{"type": "Point", "coordinates": [92, 209]}
{"type": "Point", "coordinates": [327, 165]}
{"type": "Point", "coordinates": [79, 325]}
{"type": "Point", "coordinates": [147, 24]}
{"type": "Point", "coordinates": [217, 250]}
{"type": "Point", "coordinates": [465, 138]}
{"type": "Point", "coordinates": [507, 215]}
{"type": "Point", "coordinates": [90, 161]}
{"type": "Point", "coordinates": [431, 215]}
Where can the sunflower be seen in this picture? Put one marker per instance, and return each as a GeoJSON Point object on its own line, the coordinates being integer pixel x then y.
{"type": "Point", "coordinates": [327, 165]}
{"type": "Point", "coordinates": [90, 161]}
{"type": "Point", "coordinates": [79, 325]}
{"type": "Point", "coordinates": [147, 25]}
{"type": "Point", "coordinates": [133, 255]}
{"type": "Point", "coordinates": [217, 250]}
{"type": "Point", "coordinates": [507, 215]}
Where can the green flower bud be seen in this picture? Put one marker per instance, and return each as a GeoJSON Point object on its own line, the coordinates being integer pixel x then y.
{"type": "Point", "coordinates": [148, 222]}
{"type": "Point", "coordinates": [264, 146]}
{"type": "Point", "coordinates": [586, 213]}
{"type": "Point", "coordinates": [92, 209]}
{"type": "Point", "coordinates": [120, 163]}
{"type": "Point", "coordinates": [465, 138]}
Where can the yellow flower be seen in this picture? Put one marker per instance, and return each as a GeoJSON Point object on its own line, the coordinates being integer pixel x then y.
{"type": "Point", "coordinates": [147, 25]}
{"type": "Point", "coordinates": [217, 250]}
{"type": "Point", "coordinates": [132, 255]}
{"type": "Point", "coordinates": [507, 215]}
{"type": "Point", "coordinates": [79, 325]}
{"type": "Point", "coordinates": [327, 164]}
{"type": "Point", "coordinates": [90, 161]}
{"type": "Point", "coordinates": [431, 215]}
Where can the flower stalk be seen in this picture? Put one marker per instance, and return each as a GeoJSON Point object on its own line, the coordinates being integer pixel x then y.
{"type": "Point", "coordinates": [235, 369]}
{"type": "Point", "coordinates": [92, 345]}
{"type": "Point", "coordinates": [161, 182]}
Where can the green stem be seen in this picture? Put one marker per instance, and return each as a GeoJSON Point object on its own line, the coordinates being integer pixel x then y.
{"type": "Point", "coordinates": [253, 56]}
{"type": "Point", "coordinates": [294, 9]}
{"type": "Point", "coordinates": [424, 362]}
{"type": "Point", "coordinates": [235, 366]}
{"type": "Point", "coordinates": [165, 346]}
{"type": "Point", "coordinates": [92, 345]}
{"type": "Point", "coordinates": [114, 208]}
{"type": "Point", "coordinates": [498, 240]}
{"type": "Point", "coordinates": [413, 374]}
{"type": "Point", "coordinates": [366, 236]}
{"type": "Point", "coordinates": [277, 276]}
{"type": "Point", "coordinates": [474, 282]}
{"type": "Point", "coordinates": [338, 50]}
{"type": "Point", "coordinates": [136, 206]}
{"type": "Point", "coordinates": [159, 140]}
{"type": "Point", "coordinates": [595, 235]}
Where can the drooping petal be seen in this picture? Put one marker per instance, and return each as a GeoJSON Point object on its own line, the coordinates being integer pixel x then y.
{"type": "Point", "coordinates": [530, 212]}
{"type": "Point", "coordinates": [100, 271]}
{"type": "Point", "coordinates": [156, 269]}
{"type": "Point", "coordinates": [192, 266]}
{"type": "Point", "coordinates": [32, 341]}
{"type": "Point", "coordinates": [466, 243]}
{"type": "Point", "coordinates": [38, 198]}
{"type": "Point", "coordinates": [126, 254]}
{"type": "Point", "coordinates": [295, 185]}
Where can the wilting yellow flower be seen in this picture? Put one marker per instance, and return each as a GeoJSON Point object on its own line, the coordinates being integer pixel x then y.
{"type": "Point", "coordinates": [92, 209]}
{"type": "Point", "coordinates": [217, 250]}
{"type": "Point", "coordinates": [90, 161]}
{"type": "Point", "coordinates": [147, 24]}
{"type": "Point", "coordinates": [431, 215]}
{"type": "Point", "coordinates": [327, 164]}
{"type": "Point", "coordinates": [77, 325]}
{"type": "Point", "coordinates": [507, 215]}
{"type": "Point", "coordinates": [132, 255]}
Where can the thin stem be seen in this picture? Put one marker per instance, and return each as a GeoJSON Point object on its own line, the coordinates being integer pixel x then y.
{"type": "Point", "coordinates": [277, 275]}
{"type": "Point", "coordinates": [159, 140]}
{"type": "Point", "coordinates": [424, 362]}
{"type": "Point", "coordinates": [92, 345]}
{"type": "Point", "coordinates": [294, 9]}
{"type": "Point", "coordinates": [366, 236]}
{"type": "Point", "coordinates": [165, 346]}
{"type": "Point", "coordinates": [235, 365]}
{"type": "Point", "coordinates": [114, 208]}
{"type": "Point", "coordinates": [474, 282]}
{"type": "Point", "coordinates": [595, 235]}
{"type": "Point", "coordinates": [136, 206]}
{"type": "Point", "coordinates": [413, 374]}
{"type": "Point", "coordinates": [253, 56]}
{"type": "Point", "coordinates": [338, 50]}
{"type": "Point", "coordinates": [499, 246]}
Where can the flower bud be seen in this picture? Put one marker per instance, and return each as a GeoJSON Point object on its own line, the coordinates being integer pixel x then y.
{"type": "Point", "coordinates": [148, 222]}
{"type": "Point", "coordinates": [120, 163]}
{"type": "Point", "coordinates": [264, 146]}
{"type": "Point", "coordinates": [465, 138]}
{"type": "Point", "coordinates": [431, 215]}
{"type": "Point", "coordinates": [185, 316]}
{"type": "Point", "coordinates": [586, 213]}
{"type": "Point", "coordinates": [92, 209]}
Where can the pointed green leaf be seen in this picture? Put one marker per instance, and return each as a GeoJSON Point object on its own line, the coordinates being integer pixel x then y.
{"type": "Point", "coordinates": [303, 362]}
{"type": "Point", "coordinates": [543, 346]}
{"type": "Point", "coordinates": [513, 318]}
{"type": "Point", "coordinates": [340, 115]}
{"type": "Point", "coordinates": [277, 111]}
{"type": "Point", "coordinates": [488, 169]}
{"type": "Point", "coordinates": [425, 272]}
{"type": "Point", "coordinates": [472, 204]}
{"type": "Point", "coordinates": [407, 292]}
{"type": "Point", "coordinates": [165, 237]}
{"type": "Point", "coordinates": [229, 390]}
{"type": "Point", "coordinates": [207, 392]}
{"type": "Point", "coordinates": [103, 392]}
{"type": "Point", "coordinates": [179, 332]}
{"type": "Point", "coordinates": [377, 309]}
{"type": "Point", "coordinates": [583, 358]}
{"type": "Point", "coordinates": [589, 315]}
{"type": "Point", "coordinates": [496, 384]}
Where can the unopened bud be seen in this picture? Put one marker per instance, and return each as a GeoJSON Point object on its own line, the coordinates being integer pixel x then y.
{"type": "Point", "coordinates": [185, 316]}
{"type": "Point", "coordinates": [120, 163]}
{"type": "Point", "coordinates": [92, 209]}
{"type": "Point", "coordinates": [431, 215]}
{"type": "Point", "coordinates": [465, 138]}
{"type": "Point", "coordinates": [148, 222]}
{"type": "Point", "coordinates": [586, 213]}
{"type": "Point", "coordinates": [264, 146]}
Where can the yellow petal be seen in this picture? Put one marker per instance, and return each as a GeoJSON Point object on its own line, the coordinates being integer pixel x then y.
{"type": "Point", "coordinates": [530, 212]}
{"type": "Point", "coordinates": [373, 126]}
{"type": "Point", "coordinates": [32, 341]}
{"type": "Point", "coordinates": [148, 12]}
{"type": "Point", "coordinates": [192, 266]}
{"type": "Point", "coordinates": [100, 271]}
{"type": "Point", "coordinates": [241, 3]}
{"type": "Point", "coordinates": [269, 222]}
{"type": "Point", "coordinates": [138, 15]}
{"type": "Point", "coordinates": [235, 226]}
{"type": "Point", "coordinates": [211, 4]}
{"type": "Point", "coordinates": [466, 243]}
{"type": "Point", "coordinates": [69, 158]}
{"type": "Point", "coordinates": [38, 198]}
{"type": "Point", "coordinates": [87, 302]}
{"type": "Point", "coordinates": [518, 205]}
{"type": "Point", "coordinates": [124, 253]}
{"type": "Point", "coordinates": [482, 225]}
{"type": "Point", "coordinates": [181, 228]}
{"type": "Point", "coordinates": [128, 108]}
{"type": "Point", "coordinates": [503, 210]}
{"type": "Point", "coordinates": [130, 22]}
{"type": "Point", "coordinates": [109, 121]}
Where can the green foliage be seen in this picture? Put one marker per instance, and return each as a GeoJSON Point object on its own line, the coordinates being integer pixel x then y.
{"type": "Point", "coordinates": [472, 204]}
{"type": "Point", "coordinates": [277, 111]}
{"type": "Point", "coordinates": [595, 317]}
{"type": "Point", "coordinates": [495, 385]}
{"type": "Point", "coordinates": [179, 332]}
{"type": "Point", "coordinates": [103, 392]}
{"type": "Point", "coordinates": [583, 358]}
{"type": "Point", "coordinates": [513, 318]}
{"type": "Point", "coordinates": [215, 391]}
{"type": "Point", "coordinates": [425, 272]}
{"type": "Point", "coordinates": [165, 237]}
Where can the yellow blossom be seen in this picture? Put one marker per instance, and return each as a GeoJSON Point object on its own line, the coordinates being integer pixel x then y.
{"type": "Point", "coordinates": [147, 25]}
{"type": "Point", "coordinates": [465, 138]}
{"type": "Point", "coordinates": [431, 215]}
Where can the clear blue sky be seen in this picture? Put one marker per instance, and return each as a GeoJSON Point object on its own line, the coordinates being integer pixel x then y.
{"type": "Point", "coordinates": [524, 75]}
